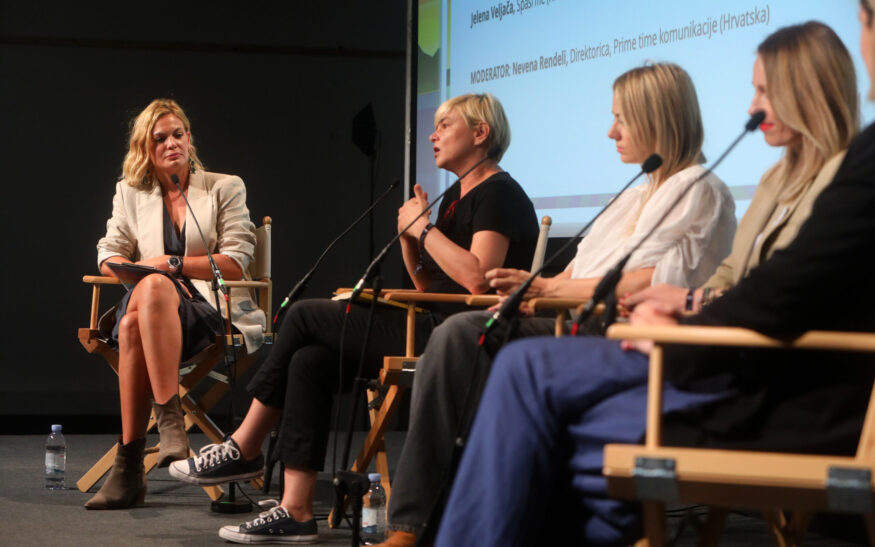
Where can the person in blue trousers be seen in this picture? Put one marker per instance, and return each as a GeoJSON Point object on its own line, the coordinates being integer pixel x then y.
{"type": "Point", "coordinates": [531, 470]}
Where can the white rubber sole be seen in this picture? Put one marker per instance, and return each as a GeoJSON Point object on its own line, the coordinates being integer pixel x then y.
{"type": "Point", "coordinates": [182, 475]}
{"type": "Point", "coordinates": [231, 533]}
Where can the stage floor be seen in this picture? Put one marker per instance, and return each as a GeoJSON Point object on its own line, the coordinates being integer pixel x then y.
{"type": "Point", "coordinates": [179, 514]}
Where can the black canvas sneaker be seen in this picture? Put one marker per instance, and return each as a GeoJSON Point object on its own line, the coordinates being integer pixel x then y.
{"type": "Point", "coordinates": [217, 464]}
{"type": "Point", "coordinates": [274, 526]}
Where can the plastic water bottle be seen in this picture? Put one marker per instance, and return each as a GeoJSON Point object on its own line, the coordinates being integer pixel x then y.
{"type": "Point", "coordinates": [56, 459]}
{"type": "Point", "coordinates": [374, 512]}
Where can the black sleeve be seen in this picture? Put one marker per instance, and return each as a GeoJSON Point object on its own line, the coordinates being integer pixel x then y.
{"type": "Point", "coordinates": [823, 279]}
{"type": "Point", "coordinates": [501, 208]}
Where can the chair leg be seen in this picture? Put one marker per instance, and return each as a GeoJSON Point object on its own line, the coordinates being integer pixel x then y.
{"type": "Point", "coordinates": [374, 444]}
{"type": "Point", "coordinates": [654, 523]}
{"type": "Point", "coordinates": [869, 520]}
{"type": "Point", "coordinates": [710, 533]}
{"type": "Point", "coordinates": [270, 461]}
{"type": "Point", "coordinates": [787, 533]}
{"type": "Point", "coordinates": [382, 461]}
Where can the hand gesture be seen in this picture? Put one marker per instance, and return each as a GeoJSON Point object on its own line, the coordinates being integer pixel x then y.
{"type": "Point", "coordinates": [414, 206]}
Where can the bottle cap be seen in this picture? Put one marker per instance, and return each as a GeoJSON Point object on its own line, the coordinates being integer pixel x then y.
{"type": "Point", "coordinates": [56, 428]}
{"type": "Point", "coordinates": [374, 477]}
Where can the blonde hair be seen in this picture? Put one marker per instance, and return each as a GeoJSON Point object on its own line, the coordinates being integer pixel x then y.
{"type": "Point", "coordinates": [481, 108]}
{"type": "Point", "coordinates": [137, 166]}
{"type": "Point", "coordinates": [812, 87]}
{"type": "Point", "coordinates": [661, 110]}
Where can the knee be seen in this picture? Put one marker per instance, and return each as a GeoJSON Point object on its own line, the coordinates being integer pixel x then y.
{"type": "Point", "coordinates": [128, 330]}
{"type": "Point", "coordinates": [514, 361]}
{"type": "Point", "coordinates": [460, 328]}
{"type": "Point", "coordinates": [305, 314]}
{"type": "Point", "coordinates": [155, 290]}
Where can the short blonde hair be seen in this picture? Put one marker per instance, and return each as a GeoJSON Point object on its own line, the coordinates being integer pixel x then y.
{"type": "Point", "coordinates": [661, 110]}
{"type": "Point", "coordinates": [481, 108]}
{"type": "Point", "coordinates": [812, 87]}
{"type": "Point", "coordinates": [137, 166]}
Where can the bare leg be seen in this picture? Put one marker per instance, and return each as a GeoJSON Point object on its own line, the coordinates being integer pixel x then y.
{"type": "Point", "coordinates": [157, 303]}
{"type": "Point", "coordinates": [256, 426]}
{"type": "Point", "coordinates": [300, 486]}
{"type": "Point", "coordinates": [133, 381]}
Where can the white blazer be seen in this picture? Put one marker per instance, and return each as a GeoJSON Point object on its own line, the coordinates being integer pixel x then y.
{"type": "Point", "coordinates": [135, 231]}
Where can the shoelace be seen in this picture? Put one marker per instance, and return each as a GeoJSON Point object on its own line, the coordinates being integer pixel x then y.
{"type": "Point", "coordinates": [214, 454]}
{"type": "Point", "coordinates": [276, 513]}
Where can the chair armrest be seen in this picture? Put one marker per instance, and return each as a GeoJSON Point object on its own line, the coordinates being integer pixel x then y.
{"type": "Point", "coordinates": [100, 280]}
{"type": "Point", "coordinates": [416, 296]}
{"type": "Point", "coordinates": [481, 300]}
{"type": "Point", "coordinates": [248, 284]}
{"type": "Point", "coordinates": [734, 336]}
{"type": "Point", "coordinates": [557, 303]}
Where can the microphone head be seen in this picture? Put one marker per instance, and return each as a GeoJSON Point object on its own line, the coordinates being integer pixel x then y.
{"type": "Point", "coordinates": [652, 163]}
{"type": "Point", "coordinates": [394, 184]}
{"type": "Point", "coordinates": [175, 179]}
{"type": "Point", "coordinates": [755, 120]}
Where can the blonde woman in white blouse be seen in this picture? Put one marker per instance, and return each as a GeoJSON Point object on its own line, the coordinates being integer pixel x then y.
{"type": "Point", "coordinates": [655, 111]}
{"type": "Point", "coordinates": [804, 81]}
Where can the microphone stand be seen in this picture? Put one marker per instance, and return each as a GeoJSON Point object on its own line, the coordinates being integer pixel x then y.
{"type": "Point", "coordinates": [369, 272]}
{"type": "Point", "coordinates": [232, 505]}
{"type": "Point", "coordinates": [348, 483]}
{"type": "Point", "coordinates": [609, 282]}
{"type": "Point", "coordinates": [510, 308]}
{"type": "Point", "coordinates": [508, 311]}
{"type": "Point", "coordinates": [299, 288]}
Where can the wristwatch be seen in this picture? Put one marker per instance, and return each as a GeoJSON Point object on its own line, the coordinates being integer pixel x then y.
{"type": "Point", "coordinates": [175, 263]}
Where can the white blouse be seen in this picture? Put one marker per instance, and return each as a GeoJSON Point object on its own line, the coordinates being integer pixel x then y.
{"type": "Point", "coordinates": [687, 247]}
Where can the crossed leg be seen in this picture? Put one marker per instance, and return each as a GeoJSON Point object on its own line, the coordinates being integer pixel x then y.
{"type": "Point", "coordinates": [150, 344]}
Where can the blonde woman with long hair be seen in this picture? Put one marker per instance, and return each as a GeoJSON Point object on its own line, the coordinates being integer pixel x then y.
{"type": "Point", "coordinates": [168, 317]}
{"type": "Point", "coordinates": [804, 81]}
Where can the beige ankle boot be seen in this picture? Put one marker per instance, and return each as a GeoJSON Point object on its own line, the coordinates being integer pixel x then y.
{"type": "Point", "coordinates": [126, 484]}
{"type": "Point", "coordinates": [171, 428]}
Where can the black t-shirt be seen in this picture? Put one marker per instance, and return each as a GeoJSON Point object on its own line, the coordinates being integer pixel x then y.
{"type": "Point", "coordinates": [498, 204]}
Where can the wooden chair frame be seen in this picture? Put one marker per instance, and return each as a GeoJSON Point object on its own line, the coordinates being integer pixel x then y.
{"type": "Point", "coordinates": [200, 366]}
{"type": "Point", "coordinates": [723, 479]}
{"type": "Point", "coordinates": [396, 375]}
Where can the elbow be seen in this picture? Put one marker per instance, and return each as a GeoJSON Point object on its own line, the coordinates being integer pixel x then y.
{"type": "Point", "coordinates": [476, 286]}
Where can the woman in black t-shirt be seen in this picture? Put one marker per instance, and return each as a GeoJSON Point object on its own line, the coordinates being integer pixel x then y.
{"type": "Point", "coordinates": [485, 221]}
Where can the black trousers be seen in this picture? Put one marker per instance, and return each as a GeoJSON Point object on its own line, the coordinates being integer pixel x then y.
{"type": "Point", "coordinates": [302, 371]}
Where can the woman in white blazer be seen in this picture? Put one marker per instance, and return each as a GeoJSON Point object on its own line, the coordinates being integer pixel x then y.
{"type": "Point", "coordinates": [169, 316]}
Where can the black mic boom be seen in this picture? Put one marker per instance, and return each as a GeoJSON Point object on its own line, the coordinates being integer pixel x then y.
{"type": "Point", "coordinates": [299, 288]}
{"type": "Point", "coordinates": [610, 280]}
{"type": "Point", "coordinates": [217, 273]}
{"type": "Point", "coordinates": [511, 305]}
{"type": "Point", "coordinates": [360, 286]}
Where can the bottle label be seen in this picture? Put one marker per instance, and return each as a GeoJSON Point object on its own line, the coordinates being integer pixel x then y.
{"type": "Point", "coordinates": [369, 519]}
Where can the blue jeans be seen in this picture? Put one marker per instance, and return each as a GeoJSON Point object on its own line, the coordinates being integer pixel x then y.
{"type": "Point", "coordinates": [533, 462]}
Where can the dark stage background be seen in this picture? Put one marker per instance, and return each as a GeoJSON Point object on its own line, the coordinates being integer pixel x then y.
{"type": "Point", "coordinates": [271, 89]}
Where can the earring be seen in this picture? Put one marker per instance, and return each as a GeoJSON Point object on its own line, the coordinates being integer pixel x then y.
{"type": "Point", "coordinates": [146, 178]}
{"type": "Point", "coordinates": [191, 166]}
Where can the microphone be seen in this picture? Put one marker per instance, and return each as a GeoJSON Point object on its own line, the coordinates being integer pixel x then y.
{"type": "Point", "coordinates": [299, 288]}
{"type": "Point", "coordinates": [609, 282]}
{"type": "Point", "coordinates": [510, 307]}
{"type": "Point", "coordinates": [369, 272]}
{"type": "Point", "coordinates": [217, 273]}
